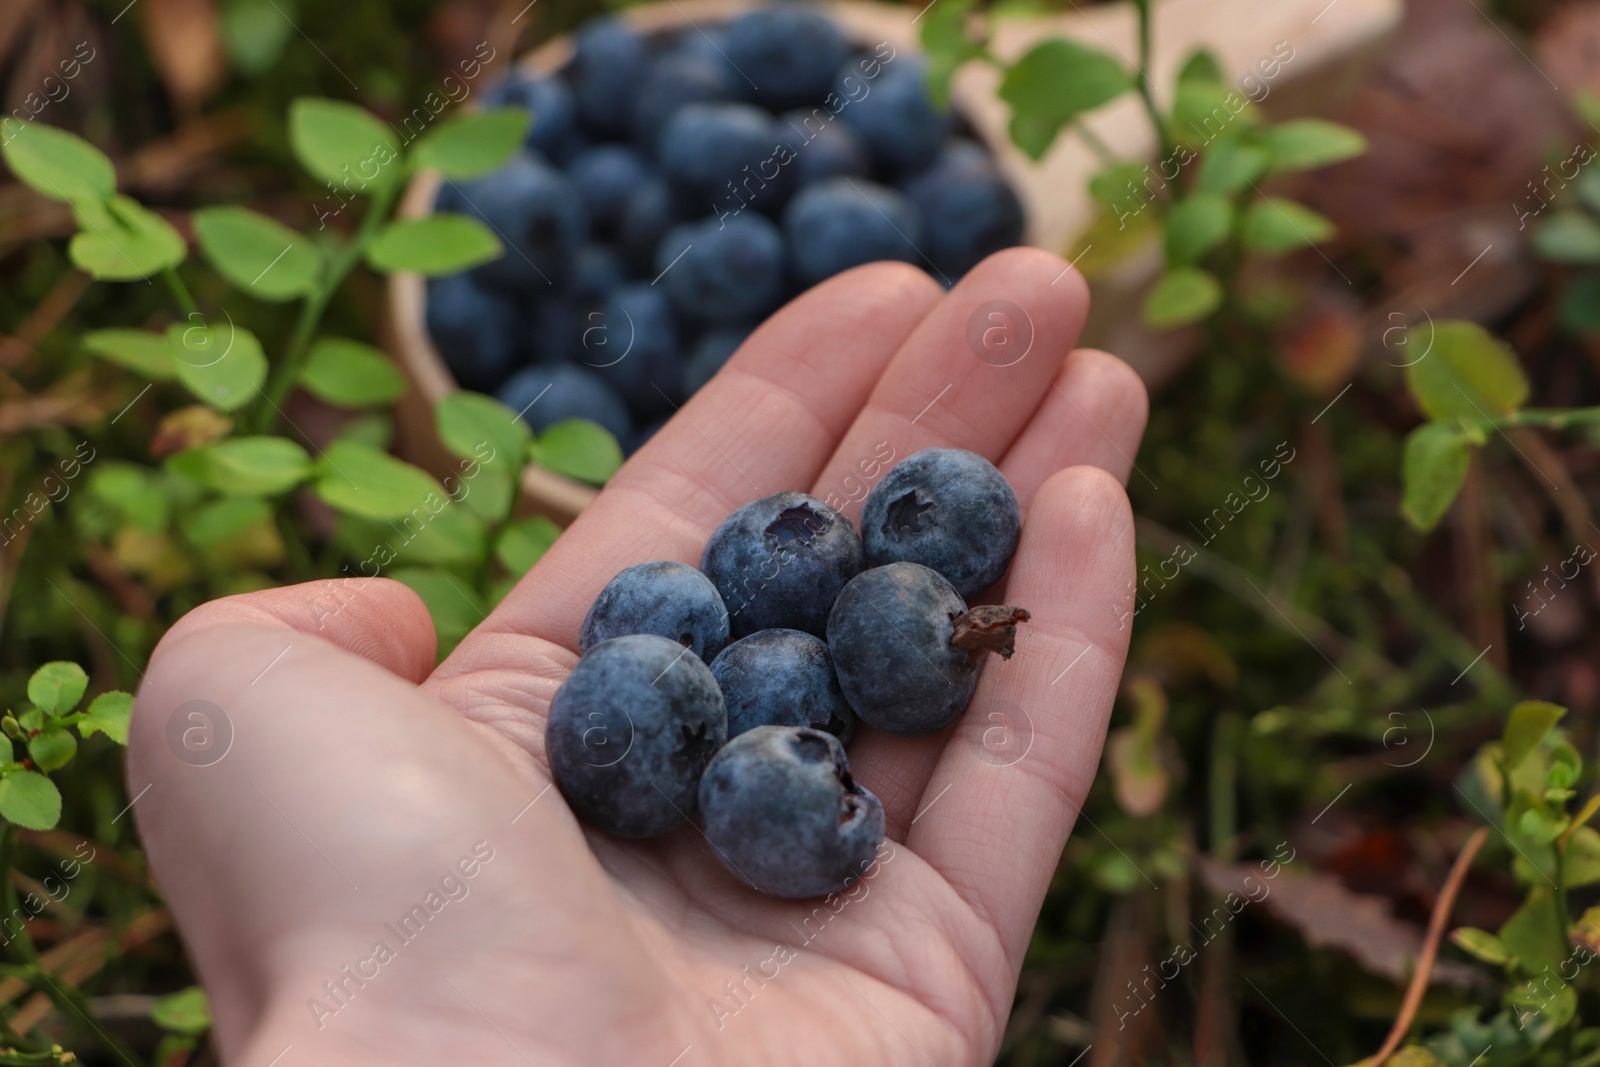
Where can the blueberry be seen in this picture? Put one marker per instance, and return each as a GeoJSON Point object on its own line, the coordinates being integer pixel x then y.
{"type": "Point", "coordinates": [555, 112]}
{"type": "Point", "coordinates": [553, 328]}
{"type": "Point", "coordinates": [475, 330]}
{"type": "Point", "coordinates": [713, 350]}
{"type": "Point", "coordinates": [723, 270]}
{"type": "Point", "coordinates": [642, 435]}
{"type": "Point", "coordinates": [632, 343]}
{"type": "Point", "coordinates": [841, 223]}
{"type": "Point", "coordinates": [684, 75]}
{"type": "Point", "coordinates": [823, 147]}
{"type": "Point", "coordinates": [537, 212]}
{"type": "Point", "coordinates": [968, 208]}
{"type": "Point", "coordinates": [895, 116]}
{"type": "Point", "coordinates": [608, 63]}
{"type": "Point", "coordinates": [782, 812]}
{"type": "Point", "coordinates": [780, 562]}
{"type": "Point", "coordinates": [606, 175]}
{"type": "Point", "coordinates": [544, 396]}
{"type": "Point", "coordinates": [649, 212]}
{"type": "Point", "coordinates": [596, 270]}
{"type": "Point", "coordinates": [665, 598]}
{"type": "Point", "coordinates": [907, 650]}
{"type": "Point", "coordinates": [790, 51]}
{"type": "Point", "coordinates": [781, 678]}
{"type": "Point", "coordinates": [722, 157]}
{"type": "Point", "coordinates": [630, 733]}
{"type": "Point", "coordinates": [948, 509]}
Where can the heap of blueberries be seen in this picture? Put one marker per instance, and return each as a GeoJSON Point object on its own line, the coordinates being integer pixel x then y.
{"type": "Point", "coordinates": [678, 187]}
{"type": "Point", "coordinates": [826, 626]}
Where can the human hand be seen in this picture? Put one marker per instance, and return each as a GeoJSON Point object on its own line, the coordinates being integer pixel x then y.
{"type": "Point", "coordinates": [360, 779]}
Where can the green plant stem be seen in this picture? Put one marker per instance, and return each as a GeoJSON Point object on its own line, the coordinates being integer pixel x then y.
{"type": "Point", "coordinates": [1145, 92]}
{"type": "Point", "coordinates": [1101, 150]}
{"type": "Point", "coordinates": [180, 292]}
{"type": "Point", "coordinates": [1547, 418]}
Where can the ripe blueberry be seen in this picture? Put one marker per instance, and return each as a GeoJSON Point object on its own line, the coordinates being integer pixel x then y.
{"type": "Point", "coordinates": [537, 213]}
{"type": "Point", "coordinates": [475, 330]}
{"type": "Point", "coordinates": [948, 509]}
{"type": "Point", "coordinates": [631, 731]}
{"type": "Point", "coordinates": [968, 209]}
{"type": "Point", "coordinates": [795, 47]}
{"type": "Point", "coordinates": [780, 562]}
{"type": "Point", "coordinates": [781, 678]}
{"type": "Point", "coordinates": [714, 349]}
{"type": "Point", "coordinates": [633, 344]}
{"type": "Point", "coordinates": [897, 118]}
{"type": "Point", "coordinates": [723, 270]}
{"type": "Point", "coordinates": [782, 812]}
{"type": "Point", "coordinates": [608, 62]}
{"type": "Point", "coordinates": [907, 650]}
{"type": "Point", "coordinates": [665, 598]}
{"type": "Point", "coordinates": [839, 223]}
{"type": "Point", "coordinates": [550, 101]}
{"type": "Point", "coordinates": [606, 175]}
{"type": "Point", "coordinates": [717, 156]}
{"type": "Point", "coordinates": [546, 395]}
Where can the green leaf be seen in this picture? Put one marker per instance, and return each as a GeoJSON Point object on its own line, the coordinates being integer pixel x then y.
{"type": "Point", "coordinates": [579, 449]}
{"type": "Point", "coordinates": [452, 536]}
{"type": "Point", "coordinates": [52, 749]}
{"type": "Point", "coordinates": [1568, 237]}
{"type": "Point", "coordinates": [1526, 728]}
{"type": "Point", "coordinates": [947, 45]}
{"type": "Point", "coordinates": [222, 365]}
{"type": "Point", "coordinates": [1054, 83]}
{"type": "Point", "coordinates": [524, 543]}
{"type": "Point", "coordinates": [108, 713]}
{"type": "Point", "coordinates": [221, 520]}
{"type": "Point", "coordinates": [1580, 304]}
{"type": "Point", "coordinates": [1541, 827]}
{"type": "Point", "coordinates": [437, 244]}
{"type": "Point", "coordinates": [1195, 226]}
{"type": "Point", "coordinates": [351, 374]}
{"type": "Point", "coordinates": [363, 481]}
{"type": "Point", "coordinates": [473, 144]}
{"type": "Point", "coordinates": [122, 241]}
{"type": "Point", "coordinates": [1230, 165]}
{"type": "Point", "coordinates": [259, 255]}
{"type": "Point", "coordinates": [1202, 111]}
{"type": "Point", "coordinates": [1463, 372]}
{"type": "Point", "coordinates": [1434, 466]}
{"type": "Point", "coordinates": [1305, 144]}
{"type": "Point", "coordinates": [30, 800]}
{"type": "Point", "coordinates": [254, 33]}
{"type": "Point", "coordinates": [1120, 187]}
{"type": "Point", "coordinates": [489, 492]}
{"type": "Point", "coordinates": [455, 606]}
{"type": "Point", "coordinates": [1583, 857]}
{"type": "Point", "coordinates": [140, 351]}
{"type": "Point", "coordinates": [345, 145]}
{"type": "Point", "coordinates": [1482, 944]}
{"type": "Point", "coordinates": [1273, 225]}
{"type": "Point", "coordinates": [253, 466]}
{"type": "Point", "coordinates": [1533, 933]}
{"type": "Point", "coordinates": [474, 426]}
{"type": "Point", "coordinates": [57, 687]}
{"type": "Point", "coordinates": [55, 163]}
{"type": "Point", "coordinates": [185, 1012]}
{"type": "Point", "coordinates": [1182, 297]}
{"type": "Point", "coordinates": [1202, 65]}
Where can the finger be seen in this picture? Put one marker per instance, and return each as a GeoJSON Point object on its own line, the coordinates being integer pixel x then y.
{"type": "Point", "coordinates": [1009, 784]}
{"type": "Point", "coordinates": [1093, 414]}
{"type": "Point", "coordinates": [766, 423]}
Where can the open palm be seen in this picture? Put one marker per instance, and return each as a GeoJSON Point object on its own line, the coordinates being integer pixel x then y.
{"type": "Point", "coordinates": [376, 869]}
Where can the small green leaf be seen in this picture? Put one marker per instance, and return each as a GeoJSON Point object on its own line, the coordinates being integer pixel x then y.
{"type": "Point", "coordinates": [52, 749]}
{"type": "Point", "coordinates": [252, 466]}
{"type": "Point", "coordinates": [214, 523]}
{"type": "Point", "coordinates": [140, 351]}
{"type": "Point", "coordinates": [1533, 933]}
{"type": "Point", "coordinates": [1580, 304]}
{"type": "Point", "coordinates": [1053, 84]}
{"type": "Point", "coordinates": [1582, 857]}
{"type": "Point", "coordinates": [254, 33]}
{"type": "Point", "coordinates": [262, 256]}
{"type": "Point", "coordinates": [345, 145]}
{"type": "Point", "coordinates": [474, 426]}
{"type": "Point", "coordinates": [1182, 297]}
{"type": "Point", "coordinates": [1463, 372]}
{"type": "Point", "coordinates": [222, 365]}
{"type": "Point", "coordinates": [30, 800]}
{"type": "Point", "coordinates": [947, 44]}
{"type": "Point", "coordinates": [1540, 827]}
{"type": "Point", "coordinates": [1526, 728]}
{"type": "Point", "coordinates": [1273, 225]}
{"type": "Point", "coordinates": [1195, 226]}
{"type": "Point", "coordinates": [1432, 470]}
{"type": "Point", "coordinates": [55, 163]}
{"type": "Point", "coordinates": [524, 543]}
{"type": "Point", "coordinates": [122, 241]}
{"type": "Point", "coordinates": [450, 536]}
{"type": "Point", "coordinates": [57, 687]}
{"type": "Point", "coordinates": [1230, 165]}
{"type": "Point", "coordinates": [437, 244]}
{"type": "Point", "coordinates": [351, 374]}
{"type": "Point", "coordinates": [1482, 944]}
{"type": "Point", "coordinates": [108, 713]}
{"type": "Point", "coordinates": [1121, 187]}
{"type": "Point", "coordinates": [185, 1012]}
{"type": "Point", "coordinates": [1568, 237]}
{"type": "Point", "coordinates": [471, 145]}
{"type": "Point", "coordinates": [1202, 65]}
{"type": "Point", "coordinates": [579, 449]}
{"type": "Point", "coordinates": [1305, 144]}
{"type": "Point", "coordinates": [375, 428]}
{"type": "Point", "coordinates": [363, 481]}
{"type": "Point", "coordinates": [1202, 111]}
{"type": "Point", "coordinates": [455, 606]}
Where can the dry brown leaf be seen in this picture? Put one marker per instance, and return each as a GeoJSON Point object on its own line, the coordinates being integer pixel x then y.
{"type": "Point", "coordinates": [185, 38]}
{"type": "Point", "coordinates": [187, 428]}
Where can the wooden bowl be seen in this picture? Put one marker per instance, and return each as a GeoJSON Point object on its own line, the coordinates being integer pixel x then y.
{"type": "Point", "coordinates": [1329, 41]}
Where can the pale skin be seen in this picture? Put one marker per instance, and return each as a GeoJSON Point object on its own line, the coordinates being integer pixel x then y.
{"type": "Point", "coordinates": [360, 775]}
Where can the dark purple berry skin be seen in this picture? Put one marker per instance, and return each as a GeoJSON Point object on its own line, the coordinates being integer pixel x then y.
{"type": "Point", "coordinates": [782, 812]}
{"type": "Point", "coordinates": [948, 509]}
{"type": "Point", "coordinates": [795, 47]}
{"type": "Point", "coordinates": [781, 678]}
{"type": "Point", "coordinates": [665, 598]}
{"type": "Point", "coordinates": [631, 731]}
{"type": "Point", "coordinates": [780, 562]}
